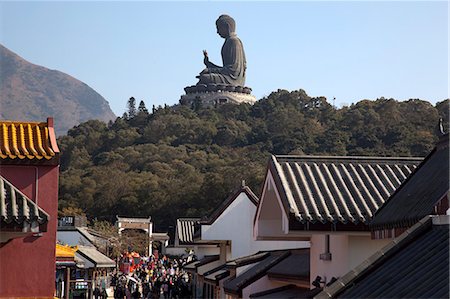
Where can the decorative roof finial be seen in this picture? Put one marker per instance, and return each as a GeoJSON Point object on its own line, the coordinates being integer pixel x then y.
{"type": "Point", "coordinates": [243, 183]}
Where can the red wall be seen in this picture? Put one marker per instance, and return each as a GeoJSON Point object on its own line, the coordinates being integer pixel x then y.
{"type": "Point", "coordinates": [27, 265]}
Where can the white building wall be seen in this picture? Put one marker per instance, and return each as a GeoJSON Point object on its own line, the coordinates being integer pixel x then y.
{"type": "Point", "coordinates": [236, 225]}
{"type": "Point", "coordinates": [233, 224]}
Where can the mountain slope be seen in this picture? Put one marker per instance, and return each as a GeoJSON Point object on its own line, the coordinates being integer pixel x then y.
{"type": "Point", "coordinates": [33, 93]}
{"type": "Point", "coordinates": [179, 162]}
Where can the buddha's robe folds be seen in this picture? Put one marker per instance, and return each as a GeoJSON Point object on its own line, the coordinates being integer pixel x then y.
{"type": "Point", "coordinates": [234, 65]}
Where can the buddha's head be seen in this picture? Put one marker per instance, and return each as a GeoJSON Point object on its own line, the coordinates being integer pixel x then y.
{"type": "Point", "coordinates": [225, 26]}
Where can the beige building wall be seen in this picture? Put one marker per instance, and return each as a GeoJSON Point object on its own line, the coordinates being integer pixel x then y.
{"type": "Point", "coordinates": [337, 266]}
{"type": "Point", "coordinates": [347, 252]}
{"type": "Point", "coordinates": [362, 247]}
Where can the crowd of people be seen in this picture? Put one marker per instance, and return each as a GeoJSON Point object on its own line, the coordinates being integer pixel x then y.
{"type": "Point", "coordinates": [154, 279]}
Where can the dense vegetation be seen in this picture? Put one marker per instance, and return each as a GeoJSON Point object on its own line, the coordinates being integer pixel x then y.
{"type": "Point", "coordinates": [183, 161]}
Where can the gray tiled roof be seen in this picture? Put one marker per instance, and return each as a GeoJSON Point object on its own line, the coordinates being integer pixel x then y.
{"type": "Point", "coordinates": [337, 189]}
{"type": "Point", "coordinates": [250, 259]}
{"type": "Point", "coordinates": [286, 292]}
{"type": "Point", "coordinates": [415, 265]}
{"type": "Point", "coordinates": [420, 193]}
{"type": "Point", "coordinates": [133, 219]}
{"type": "Point", "coordinates": [185, 229]}
{"type": "Point", "coordinates": [295, 266]}
{"type": "Point", "coordinates": [217, 275]}
{"type": "Point", "coordinates": [255, 272]}
{"type": "Point", "coordinates": [206, 260]}
{"type": "Point", "coordinates": [92, 254]}
{"type": "Point", "coordinates": [17, 208]}
{"type": "Point", "coordinates": [223, 270]}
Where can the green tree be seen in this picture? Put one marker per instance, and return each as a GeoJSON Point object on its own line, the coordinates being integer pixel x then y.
{"type": "Point", "coordinates": [131, 105]}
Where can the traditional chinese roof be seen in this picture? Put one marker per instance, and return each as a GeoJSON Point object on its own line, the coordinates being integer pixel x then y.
{"type": "Point", "coordinates": [133, 220]}
{"type": "Point", "coordinates": [206, 260]}
{"type": "Point", "coordinates": [210, 219]}
{"type": "Point", "coordinates": [28, 142]}
{"type": "Point", "coordinates": [237, 284]}
{"type": "Point", "coordinates": [420, 193]}
{"type": "Point", "coordinates": [294, 267]}
{"type": "Point", "coordinates": [96, 257]}
{"type": "Point", "coordinates": [16, 208]}
{"type": "Point", "coordinates": [414, 265]}
{"type": "Point", "coordinates": [318, 189]}
{"type": "Point", "coordinates": [247, 260]}
{"type": "Point", "coordinates": [228, 201]}
{"type": "Point", "coordinates": [185, 230]}
{"type": "Point", "coordinates": [159, 237]}
{"type": "Point", "coordinates": [217, 275]}
{"type": "Point", "coordinates": [65, 251]}
{"type": "Point", "coordinates": [222, 271]}
{"type": "Point", "coordinates": [65, 256]}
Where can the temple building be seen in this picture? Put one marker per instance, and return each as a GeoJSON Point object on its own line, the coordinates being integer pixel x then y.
{"type": "Point", "coordinates": [29, 165]}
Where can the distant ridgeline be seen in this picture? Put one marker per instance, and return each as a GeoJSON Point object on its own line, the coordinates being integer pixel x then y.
{"type": "Point", "coordinates": [30, 92]}
{"type": "Point", "coordinates": [182, 162]}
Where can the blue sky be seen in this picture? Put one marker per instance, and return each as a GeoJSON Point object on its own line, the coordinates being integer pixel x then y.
{"type": "Point", "coordinates": [152, 50]}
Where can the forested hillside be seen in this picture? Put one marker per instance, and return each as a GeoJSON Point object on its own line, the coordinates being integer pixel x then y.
{"type": "Point", "coordinates": [182, 162]}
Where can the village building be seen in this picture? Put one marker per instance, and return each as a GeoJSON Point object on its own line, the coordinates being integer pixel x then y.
{"type": "Point", "coordinates": [423, 193]}
{"type": "Point", "coordinates": [65, 264]}
{"type": "Point", "coordinates": [197, 269]}
{"type": "Point", "coordinates": [215, 278]}
{"type": "Point", "coordinates": [416, 263]}
{"type": "Point", "coordinates": [92, 266]}
{"type": "Point", "coordinates": [185, 245]}
{"type": "Point", "coordinates": [231, 226]}
{"type": "Point", "coordinates": [29, 159]}
{"type": "Point", "coordinates": [278, 268]}
{"type": "Point", "coordinates": [329, 201]}
{"type": "Point", "coordinates": [73, 230]}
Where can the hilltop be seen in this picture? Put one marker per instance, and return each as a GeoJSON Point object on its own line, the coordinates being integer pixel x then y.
{"type": "Point", "coordinates": [181, 162]}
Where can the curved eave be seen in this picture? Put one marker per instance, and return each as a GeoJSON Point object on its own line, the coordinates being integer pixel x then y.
{"type": "Point", "coordinates": [28, 142]}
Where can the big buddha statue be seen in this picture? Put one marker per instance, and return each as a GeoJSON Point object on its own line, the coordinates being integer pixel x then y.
{"type": "Point", "coordinates": [222, 84]}
{"type": "Point", "coordinates": [233, 57]}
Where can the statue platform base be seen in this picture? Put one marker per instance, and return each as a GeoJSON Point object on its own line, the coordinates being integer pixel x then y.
{"type": "Point", "coordinates": [208, 97]}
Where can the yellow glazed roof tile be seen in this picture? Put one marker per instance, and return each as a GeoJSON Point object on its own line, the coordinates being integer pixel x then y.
{"type": "Point", "coordinates": [65, 251]}
{"type": "Point", "coordinates": [27, 140]}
